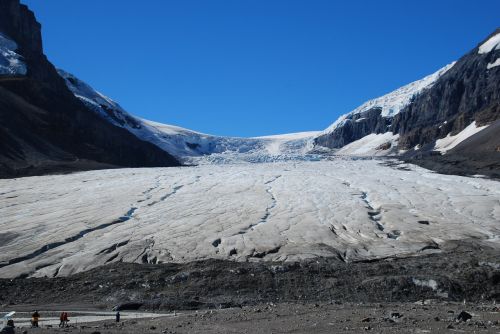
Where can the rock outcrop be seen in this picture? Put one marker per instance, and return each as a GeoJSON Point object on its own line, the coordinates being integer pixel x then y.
{"type": "Point", "coordinates": [375, 116]}
{"type": "Point", "coordinates": [44, 128]}
{"type": "Point", "coordinates": [467, 91]}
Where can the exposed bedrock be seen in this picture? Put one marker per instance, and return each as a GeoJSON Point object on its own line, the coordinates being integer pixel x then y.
{"type": "Point", "coordinates": [469, 91]}
{"type": "Point", "coordinates": [356, 126]}
{"type": "Point", "coordinates": [44, 128]}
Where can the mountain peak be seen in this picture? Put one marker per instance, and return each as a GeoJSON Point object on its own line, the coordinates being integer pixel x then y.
{"type": "Point", "coordinates": [18, 22]}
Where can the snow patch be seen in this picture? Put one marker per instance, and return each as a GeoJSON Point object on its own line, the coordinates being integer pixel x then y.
{"type": "Point", "coordinates": [11, 63]}
{"type": "Point", "coordinates": [432, 284]}
{"type": "Point", "coordinates": [371, 145]}
{"type": "Point", "coordinates": [429, 283]}
{"type": "Point", "coordinates": [494, 64]}
{"type": "Point", "coordinates": [99, 103]}
{"type": "Point", "coordinates": [491, 44]}
{"type": "Point", "coordinates": [445, 144]}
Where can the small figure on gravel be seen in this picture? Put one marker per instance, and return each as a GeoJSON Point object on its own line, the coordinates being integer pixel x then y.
{"type": "Point", "coordinates": [63, 318]}
{"type": "Point", "coordinates": [66, 319]}
{"type": "Point", "coordinates": [34, 319]}
{"type": "Point", "coordinates": [117, 316]}
{"type": "Point", "coordinates": [8, 328]}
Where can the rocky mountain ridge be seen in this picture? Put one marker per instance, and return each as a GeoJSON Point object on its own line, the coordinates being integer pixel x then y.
{"type": "Point", "coordinates": [53, 122]}
{"type": "Point", "coordinates": [462, 93]}
{"type": "Point", "coordinates": [43, 127]}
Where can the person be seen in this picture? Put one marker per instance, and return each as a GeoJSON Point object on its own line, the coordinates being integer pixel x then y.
{"type": "Point", "coordinates": [61, 319]}
{"type": "Point", "coordinates": [65, 319]}
{"type": "Point", "coordinates": [8, 328]}
{"type": "Point", "coordinates": [117, 316]}
{"type": "Point", "coordinates": [34, 319]}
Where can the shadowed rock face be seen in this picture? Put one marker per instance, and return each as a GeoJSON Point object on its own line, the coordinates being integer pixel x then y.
{"type": "Point", "coordinates": [479, 154]}
{"type": "Point", "coordinates": [467, 92]}
{"type": "Point", "coordinates": [19, 23]}
{"type": "Point", "coordinates": [356, 127]}
{"type": "Point", "coordinates": [44, 128]}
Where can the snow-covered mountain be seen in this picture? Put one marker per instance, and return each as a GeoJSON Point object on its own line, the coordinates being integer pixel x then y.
{"type": "Point", "coordinates": [372, 119]}
{"type": "Point", "coordinates": [434, 116]}
{"type": "Point", "coordinates": [391, 103]}
{"type": "Point", "coordinates": [52, 121]}
{"type": "Point", "coordinates": [191, 146]}
{"type": "Point", "coordinates": [43, 127]}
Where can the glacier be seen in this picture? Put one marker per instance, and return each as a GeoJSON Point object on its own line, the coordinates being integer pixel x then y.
{"type": "Point", "coordinates": [272, 198]}
{"type": "Point", "coordinates": [349, 208]}
{"type": "Point", "coordinates": [192, 147]}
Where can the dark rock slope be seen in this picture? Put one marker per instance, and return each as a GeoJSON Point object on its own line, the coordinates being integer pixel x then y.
{"type": "Point", "coordinates": [478, 154]}
{"type": "Point", "coordinates": [44, 128]}
{"type": "Point", "coordinates": [462, 270]}
{"type": "Point", "coordinates": [469, 91]}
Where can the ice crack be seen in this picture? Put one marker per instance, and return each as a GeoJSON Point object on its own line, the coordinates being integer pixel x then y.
{"type": "Point", "coordinates": [269, 208]}
{"type": "Point", "coordinates": [66, 241]}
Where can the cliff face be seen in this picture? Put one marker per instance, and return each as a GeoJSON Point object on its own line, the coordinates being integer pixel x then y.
{"type": "Point", "coordinates": [44, 128]}
{"type": "Point", "coordinates": [355, 127]}
{"type": "Point", "coordinates": [467, 91]}
{"type": "Point", "coordinates": [470, 91]}
{"type": "Point", "coordinates": [375, 116]}
{"type": "Point", "coordinates": [20, 24]}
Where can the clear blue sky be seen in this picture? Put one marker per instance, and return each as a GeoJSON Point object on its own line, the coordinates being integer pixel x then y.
{"type": "Point", "coordinates": [256, 67]}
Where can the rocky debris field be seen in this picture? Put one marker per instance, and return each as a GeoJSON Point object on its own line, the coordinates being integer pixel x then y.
{"type": "Point", "coordinates": [428, 316]}
{"type": "Point", "coordinates": [465, 270]}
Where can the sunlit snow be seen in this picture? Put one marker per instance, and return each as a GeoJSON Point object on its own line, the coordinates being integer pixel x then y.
{"type": "Point", "coordinates": [494, 64]}
{"type": "Point", "coordinates": [491, 44]}
{"type": "Point", "coordinates": [347, 208]}
{"type": "Point", "coordinates": [191, 146]}
{"type": "Point", "coordinates": [371, 145]}
{"type": "Point", "coordinates": [447, 143]}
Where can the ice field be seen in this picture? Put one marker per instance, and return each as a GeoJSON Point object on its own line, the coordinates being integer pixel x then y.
{"type": "Point", "coordinates": [283, 211]}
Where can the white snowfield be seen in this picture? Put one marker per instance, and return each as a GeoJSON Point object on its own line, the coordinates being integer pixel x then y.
{"type": "Point", "coordinates": [447, 143]}
{"type": "Point", "coordinates": [187, 145]}
{"type": "Point", "coordinates": [284, 211]}
{"type": "Point", "coordinates": [372, 145]}
{"type": "Point", "coordinates": [11, 63]}
{"type": "Point", "coordinates": [192, 147]}
{"type": "Point", "coordinates": [199, 148]}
